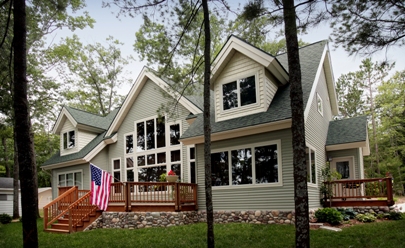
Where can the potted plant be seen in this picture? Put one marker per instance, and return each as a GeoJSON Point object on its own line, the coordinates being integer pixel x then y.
{"type": "Point", "coordinates": [171, 177]}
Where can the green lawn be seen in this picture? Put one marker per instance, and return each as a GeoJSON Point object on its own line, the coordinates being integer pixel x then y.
{"type": "Point", "coordinates": [384, 234]}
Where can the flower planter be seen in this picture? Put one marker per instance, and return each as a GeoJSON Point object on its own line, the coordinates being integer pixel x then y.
{"type": "Point", "coordinates": [172, 179]}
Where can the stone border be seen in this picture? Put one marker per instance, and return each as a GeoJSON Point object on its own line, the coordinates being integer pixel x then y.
{"type": "Point", "coordinates": [137, 220]}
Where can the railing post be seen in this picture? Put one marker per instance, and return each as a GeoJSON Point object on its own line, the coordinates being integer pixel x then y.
{"type": "Point", "coordinates": [70, 221]}
{"type": "Point", "coordinates": [45, 218]}
{"type": "Point", "coordinates": [126, 196]}
{"type": "Point", "coordinates": [177, 195]}
{"type": "Point", "coordinates": [390, 197]}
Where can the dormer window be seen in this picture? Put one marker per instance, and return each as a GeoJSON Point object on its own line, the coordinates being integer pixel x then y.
{"type": "Point", "coordinates": [239, 93]}
{"type": "Point", "coordinates": [69, 140]}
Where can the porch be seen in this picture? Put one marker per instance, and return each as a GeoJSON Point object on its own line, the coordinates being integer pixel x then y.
{"type": "Point", "coordinates": [359, 192]}
{"type": "Point", "coordinates": [71, 211]}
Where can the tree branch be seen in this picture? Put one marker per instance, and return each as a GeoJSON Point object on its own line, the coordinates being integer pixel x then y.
{"type": "Point", "coordinates": [8, 21]}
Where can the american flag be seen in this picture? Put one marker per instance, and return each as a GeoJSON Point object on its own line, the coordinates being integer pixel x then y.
{"type": "Point", "coordinates": [100, 187]}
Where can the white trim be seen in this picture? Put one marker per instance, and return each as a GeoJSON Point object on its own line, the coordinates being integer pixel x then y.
{"type": "Point", "coordinates": [361, 165]}
{"type": "Point", "coordinates": [310, 184]}
{"type": "Point", "coordinates": [68, 172]}
{"type": "Point", "coordinates": [352, 145]}
{"type": "Point", "coordinates": [61, 120]}
{"type": "Point", "coordinates": [125, 142]}
{"type": "Point", "coordinates": [134, 92]}
{"type": "Point", "coordinates": [350, 159]}
{"type": "Point", "coordinates": [116, 170]}
{"type": "Point", "coordinates": [319, 100]}
{"type": "Point", "coordinates": [252, 147]}
{"type": "Point", "coordinates": [240, 132]}
{"type": "Point", "coordinates": [99, 148]}
{"type": "Point", "coordinates": [189, 161]}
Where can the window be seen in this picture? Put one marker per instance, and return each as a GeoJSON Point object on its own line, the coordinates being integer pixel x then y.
{"type": "Point", "coordinates": [116, 170]}
{"type": "Point", "coordinates": [257, 164]}
{"type": "Point", "coordinates": [319, 103]}
{"type": "Point", "coordinates": [157, 147]}
{"type": "Point", "coordinates": [129, 168]}
{"type": "Point", "coordinates": [70, 179]}
{"type": "Point", "coordinates": [239, 93]}
{"type": "Point", "coordinates": [69, 140]}
{"type": "Point", "coordinates": [129, 144]}
{"type": "Point", "coordinates": [343, 168]}
{"type": "Point", "coordinates": [311, 166]}
{"type": "Point", "coordinates": [193, 178]}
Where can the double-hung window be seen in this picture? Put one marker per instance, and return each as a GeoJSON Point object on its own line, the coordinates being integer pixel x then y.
{"type": "Point", "coordinates": [239, 93]}
{"type": "Point", "coordinates": [254, 164]}
{"type": "Point", "coordinates": [311, 165]}
{"type": "Point", "coordinates": [69, 140]}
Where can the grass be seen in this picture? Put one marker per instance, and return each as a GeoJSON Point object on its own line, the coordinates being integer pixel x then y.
{"type": "Point", "coordinates": [382, 234]}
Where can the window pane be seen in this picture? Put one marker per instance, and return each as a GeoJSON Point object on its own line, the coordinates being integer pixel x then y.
{"type": "Point", "coordinates": [230, 96]}
{"type": "Point", "coordinates": [151, 159]}
{"type": "Point", "coordinates": [69, 179]}
{"type": "Point", "coordinates": [241, 166]}
{"type": "Point", "coordinates": [160, 133]}
{"type": "Point", "coordinates": [130, 176]}
{"type": "Point", "coordinates": [343, 169]}
{"type": "Point", "coordinates": [130, 162]}
{"type": "Point", "coordinates": [65, 141]}
{"type": "Point", "coordinates": [117, 164]}
{"type": "Point", "coordinates": [266, 164]}
{"type": "Point", "coordinates": [174, 134]}
{"type": "Point", "coordinates": [78, 179]}
{"type": "Point", "coordinates": [129, 144]}
{"type": "Point", "coordinates": [117, 176]}
{"type": "Point", "coordinates": [177, 169]}
{"type": "Point", "coordinates": [192, 153]}
{"type": "Point", "coordinates": [247, 91]}
{"type": "Point", "coordinates": [140, 138]}
{"type": "Point", "coordinates": [71, 139]}
{"type": "Point", "coordinates": [161, 157]}
{"type": "Point", "coordinates": [150, 174]}
{"type": "Point", "coordinates": [62, 181]}
{"type": "Point", "coordinates": [220, 169]}
{"type": "Point", "coordinates": [150, 134]}
{"type": "Point", "coordinates": [141, 160]}
{"type": "Point", "coordinates": [311, 170]}
{"type": "Point", "coordinates": [175, 156]}
{"type": "Point", "coordinates": [192, 172]}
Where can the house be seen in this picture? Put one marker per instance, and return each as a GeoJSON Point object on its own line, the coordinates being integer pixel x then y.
{"type": "Point", "coordinates": [251, 133]}
{"type": "Point", "coordinates": [7, 196]}
{"type": "Point", "coordinates": [44, 196]}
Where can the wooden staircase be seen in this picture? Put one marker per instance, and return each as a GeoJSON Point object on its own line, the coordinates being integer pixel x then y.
{"type": "Point", "coordinates": [70, 212]}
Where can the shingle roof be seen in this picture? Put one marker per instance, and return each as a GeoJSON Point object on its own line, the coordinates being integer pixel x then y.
{"type": "Point", "coordinates": [89, 119]}
{"type": "Point", "coordinates": [7, 182]}
{"type": "Point", "coordinates": [347, 131]}
{"type": "Point", "coordinates": [280, 108]}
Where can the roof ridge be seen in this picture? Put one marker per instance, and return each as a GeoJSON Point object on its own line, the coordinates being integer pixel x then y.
{"type": "Point", "coordinates": [66, 106]}
{"type": "Point", "coordinates": [311, 44]}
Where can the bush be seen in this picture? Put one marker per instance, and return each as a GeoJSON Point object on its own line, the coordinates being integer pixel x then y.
{"type": "Point", "coordinates": [395, 216]}
{"type": "Point", "coordinates": [329, 215]}
{"type": "Point", "coordinates": [5, 218]}
{"type": "Point", "coordinates": [367, 217]}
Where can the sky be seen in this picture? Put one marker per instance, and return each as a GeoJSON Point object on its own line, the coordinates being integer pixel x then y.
{"type": "Point", "coordinates": [124, 28]}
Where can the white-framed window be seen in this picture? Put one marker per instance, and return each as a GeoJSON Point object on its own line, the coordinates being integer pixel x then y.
{"type": "Point", "coordinates": [319, 103]}
{"type": "Point", "coordinates": [255, 164]}
{"type": "Point", "coordinates": [240, 92]}
{"type": "Point", "coordinates": [129, 169]}
{"type": "Point", "coordinates": [129, 143]}
{"type": "Point", "coordinates": [311, 165]}
{"type": "Point", "coordinates": [116, 169]}
{"type": "Point", "coordinates": [158, 149]}
{"type": "Point", "coordinates": [192, 164]}
{"type": "Point", "coordinates": [69, 139]}
{"type": "Point", "coordinates": [71, 178]}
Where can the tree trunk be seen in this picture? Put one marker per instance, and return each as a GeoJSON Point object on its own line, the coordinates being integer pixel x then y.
{"type": "Point", "coordinates": [4, 142]}
{"type": "Point", "coordinates": [26, 160]}
{"type": "Point", "coordinates": [16, 186]}
{"type": "Point", "coordinates": [297, 128]}
{"type": "Point", "coordinates": [207, 127]}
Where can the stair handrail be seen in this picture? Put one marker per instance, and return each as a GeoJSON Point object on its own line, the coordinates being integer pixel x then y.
{"type": "Point", "coordinates": [72, 190]}
{"type": "Point", "coordinates": [75, 221]}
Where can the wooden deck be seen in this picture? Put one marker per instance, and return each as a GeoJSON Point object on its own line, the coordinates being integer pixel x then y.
{"type": "Point", "coordinates": [360, 192]}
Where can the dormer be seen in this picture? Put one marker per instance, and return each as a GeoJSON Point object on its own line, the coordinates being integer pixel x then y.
{"type": "Point", "coordinates": [244, 80]}
{"type": "Point", "coordinates": [77, 128]}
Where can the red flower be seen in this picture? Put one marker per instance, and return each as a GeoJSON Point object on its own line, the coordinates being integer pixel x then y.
{"type": "Point", "coordinates": [171, 173]}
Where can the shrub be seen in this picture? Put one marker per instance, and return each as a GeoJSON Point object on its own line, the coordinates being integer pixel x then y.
{"type": "Point", "coordinates": [367, 217]}
{"type": "Point", "coordinates": [5, 218]}
{"type": "Point", "coordinates": [395, 216]}
{"type": "Point", "coordinates": [329, 215]}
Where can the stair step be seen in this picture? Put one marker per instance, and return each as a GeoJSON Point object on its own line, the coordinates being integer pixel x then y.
{"type": "Point", "coordinates": [56, 230]}
{"type": "Point", "coordinates": [60, 226]}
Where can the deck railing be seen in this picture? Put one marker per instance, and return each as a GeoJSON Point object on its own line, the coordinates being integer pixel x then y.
{"type": "Point", "coordinates": [130, 194]}
{"type": "Point", "coordinates": [360, 192]}
{"type": "Point", "coordinates": [80, 210]}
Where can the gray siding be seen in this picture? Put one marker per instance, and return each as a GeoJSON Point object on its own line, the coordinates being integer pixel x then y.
{"type": "Point", "coordinates": [6, 205]}
{"type": "Point", "coordinates": [268, 197]}
{"type": "Point", "coordinates": [316, 131]}
{"type": "Point", "coordinates": [146, 105]}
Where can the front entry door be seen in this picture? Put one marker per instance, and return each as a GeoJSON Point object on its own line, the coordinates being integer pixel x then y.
{"type": "Point", "coordinates": [344, 166]}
